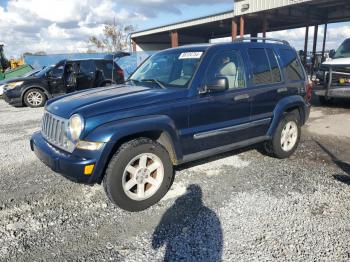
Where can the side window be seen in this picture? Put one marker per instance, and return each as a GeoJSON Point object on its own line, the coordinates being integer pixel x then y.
{"type": "Point", "coordinates": [228, 64]}
{"type": "Point", "coordinates": [87, 67]}
{"type": "Point", "coordinates": [109, 66]}
{"type": "Point", "coordinates": [292, 65]}
{"type": "Point", "coordinates": [275, 70]}
{"type": "Point", "coordinates": [260, 66]}
{"type": "Point", "coordinates": [57, 71]}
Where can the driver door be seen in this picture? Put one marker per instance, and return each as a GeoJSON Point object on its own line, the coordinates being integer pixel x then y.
{"type": "Point", "coordinates": [55, 80]}
{"type": "Point", "coordinates": [220, 118]}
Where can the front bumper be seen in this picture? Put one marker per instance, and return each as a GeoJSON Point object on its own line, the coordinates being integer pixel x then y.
{"type": "Point", "coordinates": [13, 97]}
{"type": "Point", "coordinates": [69, 165]}
{"type": "Point", "coordinates": [340, 92]}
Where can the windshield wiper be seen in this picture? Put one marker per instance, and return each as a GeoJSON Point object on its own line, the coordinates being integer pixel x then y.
{"type": "Point", "coordinates": [132, 81]}
{"type": "Point", "coordinates": [154, 81]}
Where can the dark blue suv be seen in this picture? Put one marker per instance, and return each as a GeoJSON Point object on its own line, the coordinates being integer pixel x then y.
{"type": "Point", "coordinates": [180, 105]}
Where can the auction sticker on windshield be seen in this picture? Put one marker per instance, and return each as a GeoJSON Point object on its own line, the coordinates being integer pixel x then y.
{"type": "Point", "coordinates": [191, 55]}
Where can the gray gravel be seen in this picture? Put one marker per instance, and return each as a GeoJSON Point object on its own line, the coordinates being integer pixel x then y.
{"type": "Point", "coordinates": [241, 206]}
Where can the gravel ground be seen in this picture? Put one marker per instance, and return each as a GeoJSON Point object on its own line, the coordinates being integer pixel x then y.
{"type": "Point", "coordinates": [241, 206]}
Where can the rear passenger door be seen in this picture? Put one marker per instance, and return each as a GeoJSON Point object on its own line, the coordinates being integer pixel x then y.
{"type": "Point", "coordinates": [266, 84]}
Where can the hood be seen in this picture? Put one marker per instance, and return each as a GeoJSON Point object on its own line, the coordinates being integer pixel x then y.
{"type": "Point", "coordinates": [337, 62]}
{"type": "Point", "coordinates": [110, 99]}
{"type": "Point", "coordinates": [18, 79]}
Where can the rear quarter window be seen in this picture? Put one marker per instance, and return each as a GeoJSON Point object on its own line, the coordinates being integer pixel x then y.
{"type": "Point", "coordinates": [291, 65]}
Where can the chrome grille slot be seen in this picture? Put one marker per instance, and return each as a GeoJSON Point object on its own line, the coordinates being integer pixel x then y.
{"type": "Point", "coordinates": [53, 128]}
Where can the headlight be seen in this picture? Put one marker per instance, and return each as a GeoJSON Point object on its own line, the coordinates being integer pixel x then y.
{"type": "Point", "coordinates": [91, 146]}
{"type": "Point", "coordinates": [75, 127]}
{"type": "Point", "coordinates": [13, 84]}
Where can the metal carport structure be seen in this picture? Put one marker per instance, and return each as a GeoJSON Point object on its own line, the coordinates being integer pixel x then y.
{"type": "Point", "coordinates": [249, 17]}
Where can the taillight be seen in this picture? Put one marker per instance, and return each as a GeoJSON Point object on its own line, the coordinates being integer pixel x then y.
{"type": "Point", "coordinates": [120, 74]}
{"type": "Point", "coordinates": [308, 89]}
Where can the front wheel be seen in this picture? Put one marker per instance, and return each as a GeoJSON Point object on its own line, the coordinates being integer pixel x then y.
{"type": "Point", "coordinates": [34, 98]}
{"type": "Point", "coordinates": [139, 175]}
{"type": "Point", "coordinates": [286, 138]}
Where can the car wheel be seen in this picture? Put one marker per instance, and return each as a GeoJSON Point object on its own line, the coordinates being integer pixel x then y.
{"type": "Point", "coordinates": [286, 138]}
{"type": "Point", "coordinates": [139, 174]}
{"type": "Point", "coordinates": [34, 98]}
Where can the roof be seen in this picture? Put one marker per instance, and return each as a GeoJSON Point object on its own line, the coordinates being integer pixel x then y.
{"type": "Point", "coordinates": [185, 23]}
{"type": "Point", "coordinates": [279, 15]}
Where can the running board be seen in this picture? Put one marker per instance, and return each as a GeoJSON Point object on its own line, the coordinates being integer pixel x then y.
{"type": "Point", "coordinates": [222, 149]}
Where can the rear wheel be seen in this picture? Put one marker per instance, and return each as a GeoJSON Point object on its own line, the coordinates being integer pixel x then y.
{"type": "Point", "coordinates": [286, 138]}
{"type": "Point", "coordinates": [34, 98]}
{"type": "Point", "coordinates": [139, 175]}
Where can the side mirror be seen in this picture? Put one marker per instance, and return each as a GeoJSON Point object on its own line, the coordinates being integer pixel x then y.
{"type": "Point", "coordinates": [49, 73]}
{"type": "Point", "coordinates": [215, 85]}
{"type": "Point", "coordinates": [332, 53]}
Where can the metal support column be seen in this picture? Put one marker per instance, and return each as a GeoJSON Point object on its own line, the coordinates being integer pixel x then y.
{"type": "Point", "coordinates": [174, 39]}
{"type": "Point", "coordinates": [234, 29]}
{"type": "Point", "coordinates": [314, 50]}
{"type": "Point", "coordinates": [241, 28]}
{"type": "Point", "coordinates": [305, 44]}
{"type": "Point", "coordinates": [324, 40]}
{"type": "Point", "coordinates": [264, 26]}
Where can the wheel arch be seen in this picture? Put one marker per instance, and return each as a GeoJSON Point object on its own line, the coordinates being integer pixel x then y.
{"type": "Point", "coordinates": [26, 89]}
{"type": "Point", "coordinates": [287, 105]}
{"type": "Point", "coordinates": [158, 128]}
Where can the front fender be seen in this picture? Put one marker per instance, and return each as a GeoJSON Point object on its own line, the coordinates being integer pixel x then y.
{"type": "Point", "coordinates": [284, 105]}
{"type": "Point", "coordinates": [113, 132]}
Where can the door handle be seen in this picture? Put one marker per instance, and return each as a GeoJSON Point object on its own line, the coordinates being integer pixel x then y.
{"type": "Point", "coordinates": [241, 97]}
{"type": "Point", "coordinates": [282, 90]}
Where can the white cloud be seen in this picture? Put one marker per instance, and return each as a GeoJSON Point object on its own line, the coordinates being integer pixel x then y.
{"type": "Point", "coordinates": [61, 26]}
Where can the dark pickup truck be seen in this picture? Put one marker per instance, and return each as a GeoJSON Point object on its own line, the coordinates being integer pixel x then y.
{"type": "Point", "coordinates": [180, 105]}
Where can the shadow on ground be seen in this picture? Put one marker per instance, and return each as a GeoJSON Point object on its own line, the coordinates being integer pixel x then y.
{"type": "Point", "coordinates": [189, 230]}
{"type": "Point", "coordinates": [345, 167]}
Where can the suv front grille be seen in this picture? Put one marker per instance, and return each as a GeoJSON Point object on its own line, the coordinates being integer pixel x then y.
{"type": "Point", "coordinates": [54, 129]}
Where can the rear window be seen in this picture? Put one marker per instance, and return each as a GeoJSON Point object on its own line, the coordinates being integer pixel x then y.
{"type": "Point", "coordinates": [264, 66]}
{"type": "Point", "coordinates": [291, 64]}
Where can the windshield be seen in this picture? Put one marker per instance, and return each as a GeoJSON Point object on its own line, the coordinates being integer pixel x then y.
{"type": "Point", "coordinates": [168, 69]}
{"type": "Point", "coordinates": [43, 71]}
{"type": "Point", "coordinates": [343, 50]}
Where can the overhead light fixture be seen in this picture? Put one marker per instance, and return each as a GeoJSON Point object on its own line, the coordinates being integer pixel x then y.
{"type": "Point", "coordinates": [245, 7]}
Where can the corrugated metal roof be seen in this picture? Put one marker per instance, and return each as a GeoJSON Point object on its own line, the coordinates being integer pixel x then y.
{"type": "Point", "coordinates": [183, 24]}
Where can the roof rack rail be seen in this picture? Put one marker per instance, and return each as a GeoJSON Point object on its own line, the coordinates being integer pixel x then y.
{"type": "Point", "coordinates": [262, 39]}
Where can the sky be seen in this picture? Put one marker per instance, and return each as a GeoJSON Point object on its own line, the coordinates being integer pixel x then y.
{"type": "Point", "coordinates": [64, 26]}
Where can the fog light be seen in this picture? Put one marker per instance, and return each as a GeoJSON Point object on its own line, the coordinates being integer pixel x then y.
{"type": "Point", "coordinates": [88, 169]}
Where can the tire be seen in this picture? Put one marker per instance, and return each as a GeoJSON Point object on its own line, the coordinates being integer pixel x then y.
{"type": "Point", "coordinates": [122, 187]}
{"type": "Point", "coordinates": [284, 149]}
{"type": "Point", "coordinates": [34, 98]}
{"type": "Point", "coordinates": [325, 101]}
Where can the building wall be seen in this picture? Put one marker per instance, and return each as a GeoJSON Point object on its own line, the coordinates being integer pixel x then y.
{"type": "Point", "coordinates": [151, 47]}
{"type": "Point", "coordinates": [258, 5]}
